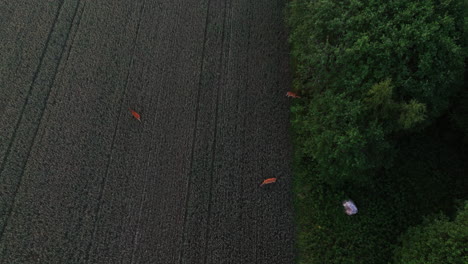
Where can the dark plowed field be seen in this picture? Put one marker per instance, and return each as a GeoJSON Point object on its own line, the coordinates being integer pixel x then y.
{"type": "Point", "coordinates": [82, 181]}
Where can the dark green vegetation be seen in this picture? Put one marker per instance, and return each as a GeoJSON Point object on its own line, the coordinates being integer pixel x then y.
{"type": "Point", "coordinates": [81, 181]}
{"type": "Point", "coordinates": [438, 240]}
{"type": "Point", "coordinates": [382, 120]}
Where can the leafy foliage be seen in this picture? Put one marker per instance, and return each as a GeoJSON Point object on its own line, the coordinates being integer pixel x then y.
{"type": "Point", "coordinates": [431, 173]}
{"type": "Point", "coordinates": [331, 131]}
{"type": "Point", "coordinates": [412, 113]}
{"type": "Point", "coordinates": [348, 46]}
{"type": "Point", "coordinates": [380, 82]}
{"type": "Point", "coordinates": [437, 240]}
{"type": "Point", "coordinates": [384, 109]}
{"type": "Point", "coordinates": [370, 70]}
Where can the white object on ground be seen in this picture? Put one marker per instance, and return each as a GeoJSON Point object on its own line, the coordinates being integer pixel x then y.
{"type": "Point", "coordinates": [350, 207]}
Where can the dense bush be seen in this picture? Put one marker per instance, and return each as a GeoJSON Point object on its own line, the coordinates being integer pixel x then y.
{"type": "Point", "coordinates": [327, 235]}
{"type": "Point", "coordinates": [431, 173]}
{"type": "Point", "coordinates": [438, 240]}
{"type": "Point", "coordinates": [348, 46]}
{"type": "Point", "coordinates": [370, 70]}
{"type": "Point", "coordinates": [382, 120]}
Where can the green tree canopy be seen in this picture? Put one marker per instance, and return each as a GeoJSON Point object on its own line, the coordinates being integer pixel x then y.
{"type": "Point", "coordinates": [369, 72]}
{"type": "Point", "coordinates": [348, 46]}
{"type": "Point", "coordinates": [436, 241]}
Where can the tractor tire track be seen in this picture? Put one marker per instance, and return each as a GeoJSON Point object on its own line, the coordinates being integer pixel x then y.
{"type": "Point", "coordinates": [45, 163]}
{"type": "Point", "coordinates": [106, 174]}
{"type": "Point", "coordinates": [181, 186]}
{"type": "Point", "coordinates": [25, 144]}
{"type": "Point", "coordinates": [215, 134]}
{"type": "Point", "coordinates": [194, 135]}
{"type": "Point", "coordinates": [77, 28]}
{"type": "Point", "coordinates": [23, 107]}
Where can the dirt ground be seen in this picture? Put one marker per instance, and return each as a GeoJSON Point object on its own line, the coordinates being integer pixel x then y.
{"type": "Point", "coordinates": [82, 181]}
